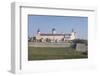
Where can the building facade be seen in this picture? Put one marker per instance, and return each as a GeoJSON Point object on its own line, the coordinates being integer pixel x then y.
{"type": "Point", "coordinates": [55, 37]}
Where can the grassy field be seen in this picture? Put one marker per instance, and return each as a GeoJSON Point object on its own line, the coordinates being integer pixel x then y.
{"type": "Point", "coordinates": [47, 53]}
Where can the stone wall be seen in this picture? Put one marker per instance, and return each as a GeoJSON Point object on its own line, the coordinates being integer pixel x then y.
{"type": "Point", "coordinates": [81, 47]}
{"type": "Point", "coordinates": [34, 44]}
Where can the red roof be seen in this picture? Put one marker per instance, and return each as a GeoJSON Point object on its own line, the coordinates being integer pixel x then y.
{"type": "Point", "coordinates": [43, 34]}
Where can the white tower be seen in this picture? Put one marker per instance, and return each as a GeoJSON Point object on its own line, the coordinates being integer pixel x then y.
{"type": "Point", "coordinates": [53, 31]}
{"type": "Point", "coordinates": [38, 34]}
{"type": "Point", "coordinates": [38, 31]}
{"type": "Point", "coordinates": [73, 35]}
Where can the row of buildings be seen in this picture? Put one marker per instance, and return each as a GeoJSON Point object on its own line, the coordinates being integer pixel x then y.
{"type": "Point", "coordinates": [54, 36]}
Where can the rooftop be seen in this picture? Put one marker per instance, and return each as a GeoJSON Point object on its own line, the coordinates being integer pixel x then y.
{"type": "Point", "coordinates": [43, 34]}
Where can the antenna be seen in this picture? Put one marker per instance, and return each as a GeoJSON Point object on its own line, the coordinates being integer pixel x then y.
{"type": "Point", "coordinates": [33, 30]}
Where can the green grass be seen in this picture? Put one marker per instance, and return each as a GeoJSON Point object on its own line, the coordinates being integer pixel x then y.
{"type": "Point", "coordinates": [48, 53]}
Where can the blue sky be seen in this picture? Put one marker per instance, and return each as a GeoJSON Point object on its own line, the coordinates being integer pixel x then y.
{"type": "Point", "coordinates": [62, 24]}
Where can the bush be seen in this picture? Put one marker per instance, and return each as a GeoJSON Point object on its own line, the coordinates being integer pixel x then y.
{"type": "Point", "coordinates": [74, 42]}
{"type": "Point", "coordinates": [80, 41]}
{"type": "Point", "coordinates": [73, 45]}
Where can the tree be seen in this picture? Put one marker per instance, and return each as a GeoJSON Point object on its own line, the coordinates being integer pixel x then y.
{"type": "Point", "coordinates": [34, 39]}
{"type": "Point", "coordinates": [40, 40]}
{"type": "Point", "coordinates": [80, 41]}
{"type": "Point", "coordinates": [62, 39]}
{"type": "Point", "coordinates": [48, 40]}
{"type": "Point", "coordinates": [75, 41]}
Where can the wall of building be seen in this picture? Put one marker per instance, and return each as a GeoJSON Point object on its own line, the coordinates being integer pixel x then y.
{"type": "Point", "coordinates": [73, 35]}
{"type": "Point", "coordinates": [55, 37]}
{"type": "Point", "coordinates": [50, 37]}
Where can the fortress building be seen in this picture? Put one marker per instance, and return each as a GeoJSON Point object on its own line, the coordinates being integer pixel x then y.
{"type": "Point", "coordinates": [54, 36]}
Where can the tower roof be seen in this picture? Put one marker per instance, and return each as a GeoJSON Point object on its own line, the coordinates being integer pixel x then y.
{"type": "Point", "coordinates": [53, 29]}
{"type": "Point", "coordinates": [38, 30]}
{"type": "Point", "coordinates": [72, 30]}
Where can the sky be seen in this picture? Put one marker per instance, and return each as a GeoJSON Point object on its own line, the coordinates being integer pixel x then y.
{"type": "Point", "coordinates": [62, 24]}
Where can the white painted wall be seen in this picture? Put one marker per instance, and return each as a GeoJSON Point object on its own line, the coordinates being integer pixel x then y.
{"type": "Point", "coordinates": [73, 35]}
